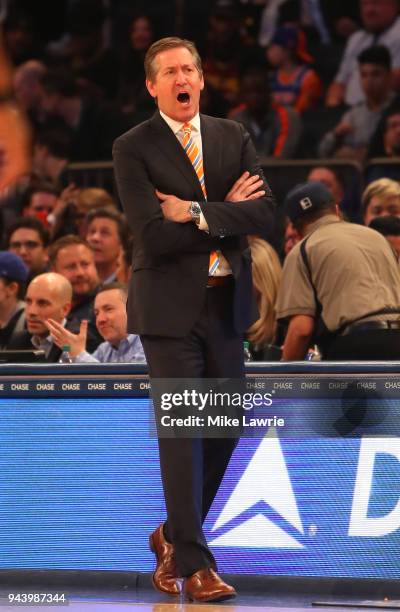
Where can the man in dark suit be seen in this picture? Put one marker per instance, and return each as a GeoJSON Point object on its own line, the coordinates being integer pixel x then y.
{"type": "Point", "coordinates": [48, 296]}
{"type": "Point", "coordinates": [191, 296]}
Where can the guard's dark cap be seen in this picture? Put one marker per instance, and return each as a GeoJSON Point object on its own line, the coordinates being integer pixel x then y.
{"type": "Point", "coordinates": [305, 198]}
{"type": "Point", "coordinates": [12, 267]}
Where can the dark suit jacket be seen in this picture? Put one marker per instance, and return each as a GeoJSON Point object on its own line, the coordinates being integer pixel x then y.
{"type": "Point", "coordinates": [23, 341]}
{"type": "Point", "coordinates": [85, 310]}
{"type": "Point", "coordinates": [170, 260]}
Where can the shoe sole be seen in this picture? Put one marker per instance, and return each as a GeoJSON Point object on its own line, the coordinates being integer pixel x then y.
{"type": "Point", "coordinates": [223, 597]}
{"type": "Point", "coordinates": [215, 597]}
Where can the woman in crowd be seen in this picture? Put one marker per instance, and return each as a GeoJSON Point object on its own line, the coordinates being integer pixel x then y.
{"type": "Point", "coordinates": [381, 198]}
{"type": "Point", "coordinates": [267, 273]}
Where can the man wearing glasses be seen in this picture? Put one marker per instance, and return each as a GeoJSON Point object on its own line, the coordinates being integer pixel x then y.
{"type": "Point", "coordinates": [29, 239]}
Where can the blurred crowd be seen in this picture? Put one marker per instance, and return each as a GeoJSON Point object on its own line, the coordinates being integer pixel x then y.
{"type": "Point", "coordinates": [310, 80]}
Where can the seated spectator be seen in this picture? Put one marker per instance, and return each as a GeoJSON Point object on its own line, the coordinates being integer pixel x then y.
{"type": "Point", "coordinates": [391, 138]}
{"type": "Point", "coordinates": [72, 257]}
{"type": "Point", "coordinates": [48, 297]}
{"type": "Point", "coordinates": [293, 82]}
{"type": "Point", "coordinates": [51, 152]}
{"type": "Point", "coordinates": [331, 180]}
{"type": "Point", "coordinates": [381, 26]}
{"type": "Point", "coordinates": [29, 239]}
{"type": "Point", "coordinates": [381, 198]}
{"type": "Point", "coordinates": [89, 199]}
{"type": "Point", "coordinates": [106, 234]}
{"type": "Point", "coordinates": [13, 276]}
{"type": "Point", "coordinates": [83, 48]}
{"type": "Point", "coordinates": [274, 129]}
{"type": "Point", "coordinates": [39, 201]}
{"type": "Point", "coordinates": [376, 146]}
{"type": "Point", "coordinates": [347, 200]}
{"type": "Point", "coordinates": [385, 144]}
{"type": "Point", "coordinates": [352, 134]}
{"type": "Point", "coordinates": [94, 125]}
{"type": "Point", "coordinates": [11, 201]}
{"type": "Point", "coordinates": [325, 20]}
{"type": "Point", "coordinates": [291, 237]}
{"type": "Point", "coordinates": [133, 96]}
{"type": "Point", "coordinates": [228, 52]}
{"type": "Point", "coordinates": [20, 34]}
{"type": "Point", "coordinates": [388, 226]}
{"type": "Point", "coordinates": [111, 321]}
{"type": "Point", "coordinates": [212, 102]}
{"type": "Point", "coordinates": [316, 123]}
{"type": "Point", "coordinates": [266, 272]}
{"type": "Point", "coordinates": [124, 270]}
{"type": "Point", "coordinates": [72, 217]}
{"type": "Point", "coordinates": [26, 85]}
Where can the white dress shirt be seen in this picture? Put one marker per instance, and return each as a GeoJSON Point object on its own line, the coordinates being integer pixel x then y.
{"type": "Point", "coordinates": [47, 343]}
{"type": "Point", "coordinates": [177, 128]}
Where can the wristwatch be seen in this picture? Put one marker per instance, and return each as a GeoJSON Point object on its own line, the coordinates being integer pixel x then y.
{"type": "Point", "coordinates": [195, 212]}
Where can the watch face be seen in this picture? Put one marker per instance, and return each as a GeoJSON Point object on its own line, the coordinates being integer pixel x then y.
{"type": "Point", "coordinates": [195, 209]}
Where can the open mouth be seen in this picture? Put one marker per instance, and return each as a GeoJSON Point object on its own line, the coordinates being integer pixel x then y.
{"type": "Point", "coordinates": [183, 98]}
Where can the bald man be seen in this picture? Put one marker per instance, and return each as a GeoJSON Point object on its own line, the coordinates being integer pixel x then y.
{"type": "Point", "coordinates": [48, 296]}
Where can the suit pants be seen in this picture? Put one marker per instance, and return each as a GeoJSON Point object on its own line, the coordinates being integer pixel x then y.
{"type": "Point", "coordinates": [193, 468]}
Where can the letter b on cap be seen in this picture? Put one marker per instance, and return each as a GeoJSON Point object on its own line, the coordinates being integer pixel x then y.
{"type": "Point", "coordinates": [305, 203]}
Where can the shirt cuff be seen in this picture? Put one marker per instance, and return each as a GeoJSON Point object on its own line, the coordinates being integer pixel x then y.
{"type": "Point", "coordinates": [85, 357]}
{"type": "Point", "coordinates": [203, 225]}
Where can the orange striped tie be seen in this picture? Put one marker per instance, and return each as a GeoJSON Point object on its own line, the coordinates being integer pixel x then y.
{"type": "Point", "coordinates": [196, 159]}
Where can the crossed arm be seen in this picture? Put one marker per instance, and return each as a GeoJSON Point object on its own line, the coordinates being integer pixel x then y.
{"type": "Point", "coordinates": [167, 229]}
{"type": "Point", "coordinates": [245, 188]}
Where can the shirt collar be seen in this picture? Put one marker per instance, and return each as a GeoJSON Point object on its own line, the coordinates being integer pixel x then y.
{"type": "Point", "coordinates": [39, 342]}
{"type": "Point", "coordinates": [122, 343]}
{"type": "Point", "coordinates": [110, 279]}
{"type": "Point", "coordinates": [176, 126]}
{"type": "Point", "coordinates": [43, 344]}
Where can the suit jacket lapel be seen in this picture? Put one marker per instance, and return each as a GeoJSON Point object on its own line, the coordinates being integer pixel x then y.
{"type": "Point", "coordinates": [166, 140]}
{"type": "Point", "coordinates": [54, 354]}
{"type": "Point", "coordinates": [212, 157]}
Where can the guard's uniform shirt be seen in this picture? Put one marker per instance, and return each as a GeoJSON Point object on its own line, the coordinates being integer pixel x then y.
{"type": "Point", "coordinates": [356, 276]}
{"type": "Point", "coordinates": [354, 270]}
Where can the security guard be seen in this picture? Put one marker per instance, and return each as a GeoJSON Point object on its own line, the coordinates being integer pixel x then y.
{"type": "Point", "coordinates": [340, 286]}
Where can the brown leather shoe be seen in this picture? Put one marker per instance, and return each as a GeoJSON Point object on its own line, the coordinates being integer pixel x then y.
{"type": "Point", "coordinates": [166, 574]}
{"type": "Point", "coordinates": [206, 585]}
